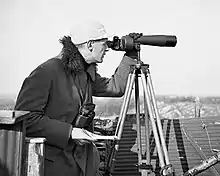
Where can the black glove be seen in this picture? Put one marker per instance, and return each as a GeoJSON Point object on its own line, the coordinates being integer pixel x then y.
{"type": "Point", "coordinates": [133, 53]}
{"type": "Point", "coordinates": [86, 116]}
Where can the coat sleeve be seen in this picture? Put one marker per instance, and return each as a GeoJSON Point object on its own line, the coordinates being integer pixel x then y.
{"type": "Point", "coordinates": [114, 86]}
{"type": "Point", "coordinates": [33, 97]}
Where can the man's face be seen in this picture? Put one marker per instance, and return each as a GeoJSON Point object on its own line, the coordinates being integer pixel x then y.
{"type": "Point", "coordinates": [98, 50]}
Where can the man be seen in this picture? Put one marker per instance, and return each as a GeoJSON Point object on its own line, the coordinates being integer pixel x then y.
{"type": "Point", "coordinates": [56, 92]}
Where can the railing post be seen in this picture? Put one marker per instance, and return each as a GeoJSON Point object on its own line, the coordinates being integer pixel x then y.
{"type": "Point", "coordinates": [33, 164]}
{"type": "Point", "coordinates": [12, 138]}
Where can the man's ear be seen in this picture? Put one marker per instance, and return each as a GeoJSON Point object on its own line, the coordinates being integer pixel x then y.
{"type": "Point", "coordinates": [90, 45]}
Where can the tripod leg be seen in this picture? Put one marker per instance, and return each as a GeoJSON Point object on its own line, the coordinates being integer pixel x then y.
{"type": "Point", "coordinates": [158, 120]}
{"type": "Point", "coordinates": [147, 132]}
{"type": "Point", "coordinates": [144, 165]}
{"type": "Point", "coordinates": [120, 124]}
{"type": "Point", "coordinates": [167, 170]}
{"type": "Point", "coordinates": [152, 117]}
{"type": "Point", "coordinates": [128, 87]}
{"type": "Point", "coordinates": [125, 105]}
{"type": "Point", "coordinates": [137, 107]}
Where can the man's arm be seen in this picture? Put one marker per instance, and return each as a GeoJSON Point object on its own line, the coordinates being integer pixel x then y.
{"type": "Point", "coordinates": [33, 97]}
{"type": "Point", "coordinates": [114, 86]}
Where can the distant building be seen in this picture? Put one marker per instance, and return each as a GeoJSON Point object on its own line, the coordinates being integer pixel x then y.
{"type": "Point", "coordinates": [198, 106]}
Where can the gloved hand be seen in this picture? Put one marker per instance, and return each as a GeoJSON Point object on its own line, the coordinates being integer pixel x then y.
{"type": "Point", "coordinates": [133, 53]}
{"type": "Point", "coordinates": [78, 141]}
{"type": "Point", "coordinates": [86, 116]}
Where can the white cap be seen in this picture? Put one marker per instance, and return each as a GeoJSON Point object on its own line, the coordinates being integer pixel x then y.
{"type": "Point", "coordinates": [87, 30]}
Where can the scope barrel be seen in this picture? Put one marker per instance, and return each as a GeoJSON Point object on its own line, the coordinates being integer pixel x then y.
{"type": "Point", "coordinates": [158, 40]}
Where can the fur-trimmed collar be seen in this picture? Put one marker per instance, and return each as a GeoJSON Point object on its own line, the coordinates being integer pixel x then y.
{"type": "Point", "coordinates": [71, 58]}
{"type": "Point", "coordinates": [73, 61]}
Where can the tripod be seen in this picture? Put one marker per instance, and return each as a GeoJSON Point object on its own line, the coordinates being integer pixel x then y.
{"type": "Point", "coordinates": [151, 114]}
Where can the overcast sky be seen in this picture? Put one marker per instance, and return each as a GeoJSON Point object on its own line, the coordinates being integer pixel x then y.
{"type": "Point", "coordinates": [30, 31]}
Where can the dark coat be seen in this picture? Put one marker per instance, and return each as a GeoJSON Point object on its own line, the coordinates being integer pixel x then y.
{"type": "Point", "coordinates": [54, 101]}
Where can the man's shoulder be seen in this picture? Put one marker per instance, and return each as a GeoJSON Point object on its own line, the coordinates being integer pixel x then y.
{"type": "Point", "coordinates": [52, 63]}
{"type": "Point", "coordinates": [49, 67]}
